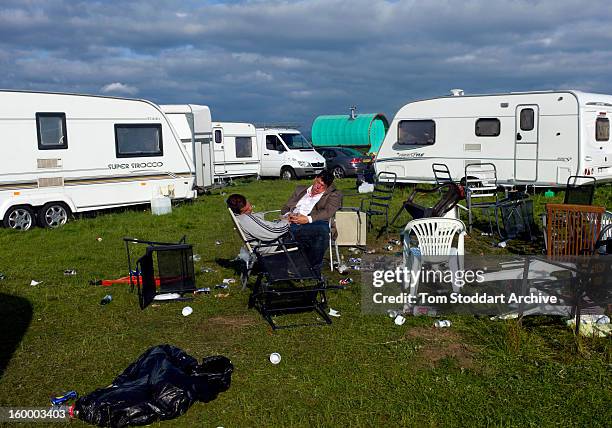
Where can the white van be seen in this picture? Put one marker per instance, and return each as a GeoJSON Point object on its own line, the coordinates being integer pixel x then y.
{"type": "Point", "coordinates": [235, 150]}
{"type": "Point", "coordinates": [287, 154]}
{"type": "Point", "coordinates": [533, 138]}
{"type": "Point", "coordinates": [67, 153]}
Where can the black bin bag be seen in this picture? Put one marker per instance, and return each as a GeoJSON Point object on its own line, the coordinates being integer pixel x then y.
{"type": "Point", "coordinates": [162, 384]}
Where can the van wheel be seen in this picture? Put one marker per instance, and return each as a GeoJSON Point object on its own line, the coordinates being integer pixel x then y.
{"type": "Point", "coordinates": [287, 173]}
{"type": "Point", "coordinates": [338, 172]}
{"type": "Point", "coordinates": [53, 215]}
{"type": "Point", "coordinates": [20, 217]}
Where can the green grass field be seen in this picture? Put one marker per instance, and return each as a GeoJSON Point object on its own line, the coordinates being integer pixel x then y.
{"type": "Point", "coordinates": [363, 370]}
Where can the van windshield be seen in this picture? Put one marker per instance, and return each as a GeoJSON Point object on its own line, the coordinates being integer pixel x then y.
{"type": "Point", "coordinates": [296, 142]}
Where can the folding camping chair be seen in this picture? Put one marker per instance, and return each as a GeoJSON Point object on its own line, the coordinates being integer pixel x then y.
{"type": "Point", "coordinates": [449, 200]}
{"type": "Point", "coordinates": [351, 228]}
{"type": "Point", "coordinates": [441, 173]}
{"type": "Point", "coordinates": [579, 194]}
{"type": "Point", "coordinates": [249, 257]}
{"type": "Point", "coordinates": [164, 268]}
{"type": "Point", "coordinates": [380, 198]}
{"type": "Point", "coordinates": [481, 190]}
{"type": "Point", "coordinates": [288, 284]}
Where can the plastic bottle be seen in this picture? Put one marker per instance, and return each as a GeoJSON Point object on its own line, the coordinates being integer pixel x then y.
{"type": "Point", "coordinates": [106, 300]}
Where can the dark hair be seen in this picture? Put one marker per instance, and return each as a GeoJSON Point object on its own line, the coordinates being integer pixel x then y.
{"type": "Point", "coordinates": [326, 177]}
{"type": "Point", "coordinates": [236, 203]}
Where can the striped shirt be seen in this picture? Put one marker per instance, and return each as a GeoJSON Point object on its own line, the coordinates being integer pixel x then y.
{"type": "Point", "coordinates": [255, 227]}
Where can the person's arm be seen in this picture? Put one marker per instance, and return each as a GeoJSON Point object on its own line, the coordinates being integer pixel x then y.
{"type": "Point", "coordinates": [263, 230]}
{"type": "Point", "coordinates": [293, 200]}
{"type": "Point", "coordinates": [333, 204]}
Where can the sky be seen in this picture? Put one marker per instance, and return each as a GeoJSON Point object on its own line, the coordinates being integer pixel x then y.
{"type": "Point", "coordinates": [290, 61]}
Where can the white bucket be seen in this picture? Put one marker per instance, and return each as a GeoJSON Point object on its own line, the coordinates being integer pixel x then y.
{"type": "Point", "coordinates": [161, 205]}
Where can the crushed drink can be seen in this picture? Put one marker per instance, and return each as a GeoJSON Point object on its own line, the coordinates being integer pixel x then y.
{"type": "Point", "coordinates": [61, 399]}
{"type": "Point", "coordinates": [342, 269]}
{"type": "Point", "coordinates": [393, 313]}
{"type": "Point", "coordinates": [356, 267]}
{"type": "Point", "coordinates": [2, 276]}
{"type": "Point", "coordinates": [206, 270]}
{"type": "Point", "coordinates": [222, 286]}
{"type": "Point", "coordinates": [70, 272]}
{"type": "Point", "coordinates": [354, 260]}
{"type": "Point", "coordinates": [229, 281]}
{"type": "Point", "coordinates": [217, 242]}
{"type": "Point", "coordinates": [394, 242]}
{"type": "Point", "coordinates": [442, 323]}
{"type": "Point", "coordinates": [196, 257]}
{"type": "Point", "coordinates": [205, 290]}
{"type": "Point", "coordinates": [345, 281]}
{"type": "Point", "coordinates": [389, 248]}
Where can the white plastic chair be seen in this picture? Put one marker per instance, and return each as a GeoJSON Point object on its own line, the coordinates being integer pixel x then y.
{"type": "Point", "coordinates": [435, 236]}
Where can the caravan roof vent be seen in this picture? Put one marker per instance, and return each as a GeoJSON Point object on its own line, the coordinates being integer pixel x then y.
{"type": "Point", "coordinates": [456, 92]}
{"type": "Point", "coordinates": [353, 112]}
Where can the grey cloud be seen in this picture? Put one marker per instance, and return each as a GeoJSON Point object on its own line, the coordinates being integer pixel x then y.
{"type": "Point", "coordinates": [292, 60]}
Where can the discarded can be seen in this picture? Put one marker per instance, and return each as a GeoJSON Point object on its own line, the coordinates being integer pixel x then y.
{"type": "Point", "coordinates": [2, 276]}
{"type": "Point", "coordinates": [356, 267]}
{"type": "Point", "coordinates": [275, 358]}
{"type": "Point", "coordinates": [229, 281]}
{"type": "Point", "coordinates": [218, 242]}
{"type": "Point", "coordinates": [106, 299]}
{"type": "Point", "coordinates": [442, 323]}
{"type": "Point", "coordinates": [196, 257]}
{"type": "Point", "coordinates": [222, 286]}
{"type": "Point", "coordinates": [424, 310]}
{"type": "Point", "coordinates": [345, 281]}
{"type": "Point", "coordinates": [205, 290]}
{"type": "Point", "coordinates": [394, 242]}
{"type": "Point", "coordinates": [99, 239]}
{"type": "Point", "coordinates": [342, 269]}
{"type": "Point", "coordinates": [61, 399]}
{"type": "Point", "coordinates": [399, 320]}
{"type": "Point", "coordinates": [502, 244]}
{"type": "Point", "coordinates": [354, 260]}
{"type": "Point", "coordinates": [372, 251]}
{"type": "Point", "coordinates": [354, 249]}
{"type": "Point", "coordinates": [389, 248]}
{"type": "Point", "coordinates": [393, 313]}
{"type": "Point", "coordinates": [70, 272]}
{"type": "Point", "coordinates": [206, 270]}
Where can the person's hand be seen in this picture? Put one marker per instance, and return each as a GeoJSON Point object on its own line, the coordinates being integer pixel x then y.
{"type": "Point", "coordinates": [298, 219]}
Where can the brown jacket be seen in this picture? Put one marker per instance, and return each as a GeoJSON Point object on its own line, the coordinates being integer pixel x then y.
{"type": "Point", "coordinates": [330, 202]}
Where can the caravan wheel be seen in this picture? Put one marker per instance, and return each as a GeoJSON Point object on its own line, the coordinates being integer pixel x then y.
{"type": "Point", "coordinates": [19, 218]}
{"type": "Point", "coordinates": [53, 215]}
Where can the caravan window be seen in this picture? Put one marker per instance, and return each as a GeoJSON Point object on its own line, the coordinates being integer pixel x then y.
{"type": "Point", "coordinates": [218, 136]}
{"type": "Point", "coordinates": [416, 132]}
{"type": "Point", "coordinates": [51, 131]}
{"type": "Point", "coordinates": [488, 127]}
{"type": "Point", "coordinates": [527, 119]}
{"type": "Point", "coordinates": [138, 140]}
{"type": "Point", "coordinates": [602, 129]}
{"type": "Point", "coordinates": [244, 147]}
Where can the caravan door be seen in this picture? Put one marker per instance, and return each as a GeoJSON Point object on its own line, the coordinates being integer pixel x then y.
{"type": "Point", "coordinates": [219, 151]}
{"type": "Point", "coordinates": [526, 142]}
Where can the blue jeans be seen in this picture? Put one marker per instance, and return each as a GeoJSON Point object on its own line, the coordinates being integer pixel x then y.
{"type": "Point", "coordinates": [313, 238]}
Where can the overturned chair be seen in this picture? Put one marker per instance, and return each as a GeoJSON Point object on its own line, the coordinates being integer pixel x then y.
{"type": "Point", "coordinates": [451, 194]}
{"type": "Point", "coordinates": [164, 268]}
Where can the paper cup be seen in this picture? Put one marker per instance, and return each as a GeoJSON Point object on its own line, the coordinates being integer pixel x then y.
{"type": "Point", "coordinates": [399, 320]}
{"type": "Point", "coordinates": [187, 310]}
{"type": "Point", "coordinates": [275, 358]}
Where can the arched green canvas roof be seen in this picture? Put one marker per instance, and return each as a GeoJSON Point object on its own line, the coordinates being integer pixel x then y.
{"type": "Point", "coordinates": [365, 130]}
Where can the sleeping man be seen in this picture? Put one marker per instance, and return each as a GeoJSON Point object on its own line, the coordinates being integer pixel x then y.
{"type": "Point", "coordinates": [306, 214]}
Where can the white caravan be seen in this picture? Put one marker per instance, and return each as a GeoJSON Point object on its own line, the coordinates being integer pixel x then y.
{"type": "Point", "coordinates": [533, 138]}
{"type": "Point", "coordinates": [235, 150]}
{"type": "Point", "coordinates": [193, 126]}
{"type": "Point", "coordinates": [67, 153]}
{"type": "Point", "coordinates": [287, 154]}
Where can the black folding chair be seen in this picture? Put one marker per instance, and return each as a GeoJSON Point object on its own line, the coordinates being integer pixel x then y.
{"type": "Point", "coordinates": [164, 268]}
{"type": "Point", "coordinates": [441, 173]}
{"type": "Point", "coordinates": [378, 203]}
{"type": "Point", "coordinates": [449, 200]}
{"type": "Point", "coordinates": [288, 284]}
{"type": "Point", "coordinates": [579, 194]}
